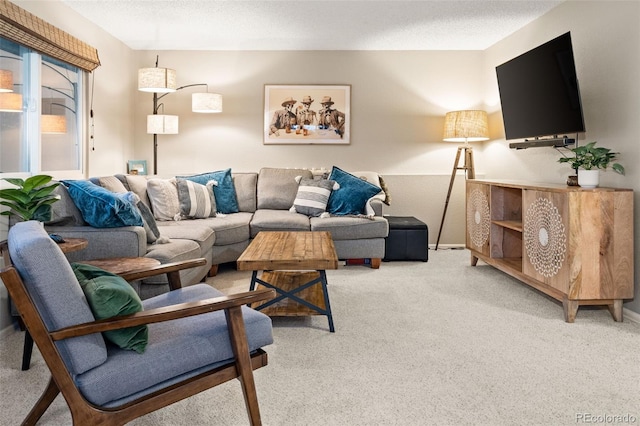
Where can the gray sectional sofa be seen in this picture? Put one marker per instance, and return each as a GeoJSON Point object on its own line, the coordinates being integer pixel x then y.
{"type": "Point", "coordinates": [264, 200]}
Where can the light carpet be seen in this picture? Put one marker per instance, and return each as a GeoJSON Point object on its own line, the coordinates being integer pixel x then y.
{"type": "Point", "coordinates": [435, 343]}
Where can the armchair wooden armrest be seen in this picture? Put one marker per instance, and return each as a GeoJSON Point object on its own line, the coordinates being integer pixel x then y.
{"type": "Point", "coordinates": [166, 313]}
{"type": "Point", "coordinates": [171, 269]}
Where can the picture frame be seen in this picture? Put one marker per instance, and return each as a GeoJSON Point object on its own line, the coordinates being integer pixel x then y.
{"type": "Point", "coordinates": [137, 167]}
{"type": "Point", "coordinates": [307, 114]}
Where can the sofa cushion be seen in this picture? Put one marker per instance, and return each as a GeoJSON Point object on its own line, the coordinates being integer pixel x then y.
{"type": "Point", "coordinates": [224, 191]}
{"type": "Point", "coordinates": [178, 249]}
{"type": "Point", "coordinates": [112, 183]}
{"type": "Point", "coordinates": [277, 188]}
{"type": "Point", "coordinates": [64, 212]}
{"type": "Point", "coordinates": [109, 295]}
{"type": "Point", "coordinates": [352, 195]}
{"type": "Point", "coordinates": [245, 185]}
{"type": "Point", "coordinates": [278, 220]}
{"type": "Point", "coordinates": [163, 195]}
{"type": "Point", "coordinates": [351, 228]}
{"type": "Point", "coordinates": [138, 184]}
{"type": "Point", "coordinates": [102, 208]}
{"type": "Point", "coordinates": [193, 230]}
{"type": "Point", "coordinates": [196, 201]}
{"type": "Point", "coordinates": [312, 196]}
{"type": "Point", "coordinates": [229, 228]}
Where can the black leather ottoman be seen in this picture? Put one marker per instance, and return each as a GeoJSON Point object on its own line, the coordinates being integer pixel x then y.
{"type": "Point", "coordinates": [408, 239]}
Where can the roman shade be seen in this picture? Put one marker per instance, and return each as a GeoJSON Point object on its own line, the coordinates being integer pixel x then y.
{"type": "Point", "coordinates": [20, 26]}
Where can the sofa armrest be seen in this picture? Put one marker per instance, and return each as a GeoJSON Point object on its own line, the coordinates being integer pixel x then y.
{"type": "Point", "coordinates": [376, 205]}
{"type": "Point", "coordinates": [104, 243]}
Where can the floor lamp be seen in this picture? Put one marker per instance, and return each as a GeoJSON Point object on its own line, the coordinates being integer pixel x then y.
{"type": "Point", "coordinates": [463, 126]}
{"type": "Point", "coordinates": [163, 81]}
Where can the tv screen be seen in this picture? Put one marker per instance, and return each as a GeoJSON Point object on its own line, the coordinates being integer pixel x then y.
{"type": "Point", "coordinates": [539, 92]}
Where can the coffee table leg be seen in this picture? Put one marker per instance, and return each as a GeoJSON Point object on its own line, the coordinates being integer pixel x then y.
{"type": "Point", "coordinates": [254, 276]}
{"type": "Point", "coordinates": [323, 280]}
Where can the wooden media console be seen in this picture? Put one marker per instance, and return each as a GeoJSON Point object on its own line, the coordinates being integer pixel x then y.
{"type": "Point", "coordinates": [573, 244]}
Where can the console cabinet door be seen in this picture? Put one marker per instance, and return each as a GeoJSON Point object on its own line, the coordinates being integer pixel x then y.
{"type": "Point", "coordinates": [478, 217]}
{"type": "Point", "coordinates": [546, 241]}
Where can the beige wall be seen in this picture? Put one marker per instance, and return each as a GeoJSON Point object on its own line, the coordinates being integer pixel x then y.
{"type": "Point", "coordinates": [398, 100]}
{"type": "Point", "coordinates": [398, 103]}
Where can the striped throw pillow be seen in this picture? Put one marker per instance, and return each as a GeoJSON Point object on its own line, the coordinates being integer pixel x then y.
{"type": "Point", "coordinates": [196, 201]}
{"type": "Point", "coordinates": [312, 196]}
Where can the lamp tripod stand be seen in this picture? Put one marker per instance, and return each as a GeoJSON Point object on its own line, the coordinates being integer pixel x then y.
{"type": "Point", "coordinates": [470, 174]}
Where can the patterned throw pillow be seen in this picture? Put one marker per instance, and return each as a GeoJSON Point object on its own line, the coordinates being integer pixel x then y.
{"type": "Point", "coordinates": [196, 201]}
{"type": "Point", "coordinates": [312, 196]}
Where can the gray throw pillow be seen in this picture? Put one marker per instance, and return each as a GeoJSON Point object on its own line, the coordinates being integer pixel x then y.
{"type": "Point", "coordinates": [312, 196]}
{"type": "Point", "coordinates": [196, 201]}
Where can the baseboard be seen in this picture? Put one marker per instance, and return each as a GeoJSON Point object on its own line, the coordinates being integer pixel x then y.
{"type": "Point", "coordinates": [628, 314]}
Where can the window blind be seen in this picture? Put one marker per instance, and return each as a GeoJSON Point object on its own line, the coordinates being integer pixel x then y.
{"type": "Point", "coordinates": [20, 26]}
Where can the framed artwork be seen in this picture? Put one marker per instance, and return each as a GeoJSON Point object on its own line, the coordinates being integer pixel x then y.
{"type": "Point", "coordinates": [307, 114]}
{"type": "Point", "coordinates": [137, 167]}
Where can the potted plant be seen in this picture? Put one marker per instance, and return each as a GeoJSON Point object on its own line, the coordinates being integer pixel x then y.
{"type": "Point", "coordinates": [32, 199]}
{"type": "Point", "coordinates": [588, 162]}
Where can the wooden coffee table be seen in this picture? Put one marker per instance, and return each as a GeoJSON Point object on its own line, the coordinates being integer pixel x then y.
{"type": "Point", "coordinates": [294, 265]}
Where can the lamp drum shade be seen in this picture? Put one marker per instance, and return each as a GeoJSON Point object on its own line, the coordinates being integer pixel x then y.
{"type": "Point", "coordinates": [10, 102]}
{"type": "Point", "coordinates": [6, 81]}
{"type": "Point", "coordinates": [53, 123]}
{"type": "Point", "coordinates": [466, 126]}
{"type": "Point", "coordinates": [158, 80]}
{"type": "Point", "coordinates": [162, 124]}
{"type": "Point", "coordinates": [206, 102]}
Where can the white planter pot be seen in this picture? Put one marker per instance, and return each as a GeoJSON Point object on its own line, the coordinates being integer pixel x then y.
{"type": "Point", "coordinates": [588, 178]}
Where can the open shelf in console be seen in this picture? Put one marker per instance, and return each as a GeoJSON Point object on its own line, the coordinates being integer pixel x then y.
{"type": "Point", "coordinates": [506, 205]}
{"type": "Point", "coordinates": [506, 226]}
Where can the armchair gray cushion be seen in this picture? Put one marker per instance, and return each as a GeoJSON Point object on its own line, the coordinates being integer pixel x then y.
{"type": "Point", "coordinates": [55, 291]}
{"type": "Point", "coordinates": [182, 347]}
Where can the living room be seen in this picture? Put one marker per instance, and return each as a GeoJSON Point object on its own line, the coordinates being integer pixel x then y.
{"type": "Point", "coordinates": [398, 103]}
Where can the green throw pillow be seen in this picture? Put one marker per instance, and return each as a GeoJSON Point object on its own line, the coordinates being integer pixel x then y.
{"type": "Point", "coordinates": [109, 295]}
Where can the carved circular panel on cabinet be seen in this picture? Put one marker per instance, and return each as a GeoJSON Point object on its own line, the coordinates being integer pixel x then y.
{"type": "Point", "coordinates": [478, 218]}
{"type": "Point", "coordinates": [544, 237]}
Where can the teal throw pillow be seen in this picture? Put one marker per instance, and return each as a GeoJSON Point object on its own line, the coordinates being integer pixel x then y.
{"type": "Point", "coordinates": [109, 295]}
{"type": "Point", "coordinates": [352, 195]}
{"type": "Point", "coordinates": [100, 207]}
{"type": "Point", "coordinates": [224, 191]}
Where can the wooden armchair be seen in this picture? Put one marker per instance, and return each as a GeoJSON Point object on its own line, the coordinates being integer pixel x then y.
{"type": "Point", "coordinates": [213, 338]}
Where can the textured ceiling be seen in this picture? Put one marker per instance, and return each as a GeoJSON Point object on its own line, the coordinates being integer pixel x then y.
{"type": "Point", "coordinates": [310, 25]}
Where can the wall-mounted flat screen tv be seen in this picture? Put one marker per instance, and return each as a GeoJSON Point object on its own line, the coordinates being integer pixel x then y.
{"type": "Point", "coordinates": [539, 92]}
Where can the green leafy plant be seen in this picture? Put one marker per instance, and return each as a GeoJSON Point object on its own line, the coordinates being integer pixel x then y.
{"type": "Point", "coordinates": [590, 157]}
{"type": "Point", "coordinates": [32, 199]}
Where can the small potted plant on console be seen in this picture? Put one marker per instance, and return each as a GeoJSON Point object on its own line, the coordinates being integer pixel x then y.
{"type": "Point", "coordinates": [588, 162]}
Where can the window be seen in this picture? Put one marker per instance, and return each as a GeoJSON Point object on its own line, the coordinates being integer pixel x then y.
{"type": "Point", "coordinates": [41, 119]}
